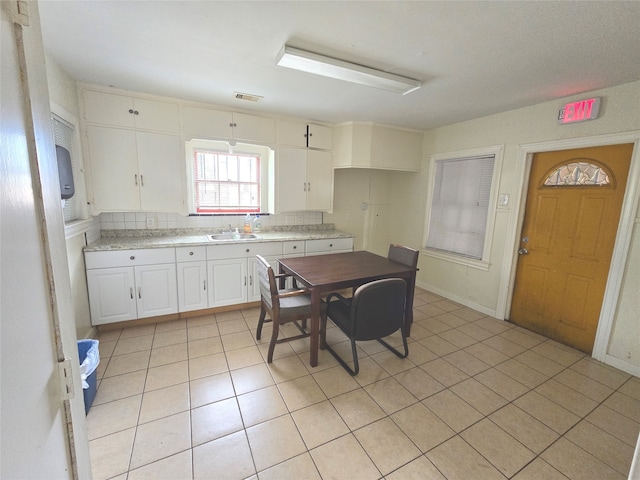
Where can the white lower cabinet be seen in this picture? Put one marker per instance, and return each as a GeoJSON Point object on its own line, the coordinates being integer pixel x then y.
{"type": "Point", "coordinates": [156, 290]}
{"type": "Point", "coordinates": [232, 274]}
{"type": "Point", "coordinates": [191, 269]}
{"type": "Point", "coordinates": [129, 284]}
{"type": "Point", "coordinates": [228, 280]}
{"type": "Point", "coordinates": [329, 245]}
{"type": "Point", "coordinates": [111, 295]}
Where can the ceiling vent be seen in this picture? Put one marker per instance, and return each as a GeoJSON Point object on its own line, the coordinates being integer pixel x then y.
{"type": "Point", "coordinates": [247, 96]}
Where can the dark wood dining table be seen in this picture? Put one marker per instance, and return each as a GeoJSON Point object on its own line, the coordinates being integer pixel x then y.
{"type": "Point", "coordinates": [322, 274]}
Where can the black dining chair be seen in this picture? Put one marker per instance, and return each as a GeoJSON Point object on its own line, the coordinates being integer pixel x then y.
{"type": "Point", "coordinates": [283, 306]}
{"type": "Point", "coordinates": [405, 255]}
{"type": "Point", "coordinates": [375, 311]}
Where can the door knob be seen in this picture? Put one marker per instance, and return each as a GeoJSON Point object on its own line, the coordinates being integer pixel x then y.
{"type": "Point", "coordinates": [523, 251]}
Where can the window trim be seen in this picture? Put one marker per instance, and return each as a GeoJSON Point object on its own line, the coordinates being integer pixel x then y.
{"type": "Point", "coordinates": [80, 182]}
{"type": "Point", "coordinates": [266, 173]}
{"type": "Point", "coordinates": [222, 209]}
{"type": "Point", "coordinates": [485, 262]}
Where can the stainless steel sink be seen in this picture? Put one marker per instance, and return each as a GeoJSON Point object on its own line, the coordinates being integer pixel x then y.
{"type": "Point", "coordinates": [232, 236]}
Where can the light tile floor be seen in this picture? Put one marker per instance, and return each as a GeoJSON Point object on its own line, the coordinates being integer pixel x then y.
{"type": "Point", "coordinates": [477, 398]}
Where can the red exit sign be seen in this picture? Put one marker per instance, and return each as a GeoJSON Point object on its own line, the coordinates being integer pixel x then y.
{"type": "Point", "coordinates": [579, 111]}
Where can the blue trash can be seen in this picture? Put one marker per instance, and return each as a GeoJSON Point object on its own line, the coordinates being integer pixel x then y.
{"type": "Point", "coordinates": [89, 356]}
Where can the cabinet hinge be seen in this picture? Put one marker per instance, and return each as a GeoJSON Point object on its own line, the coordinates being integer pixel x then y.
{"type": "Point", "coordinates": [66, 379]}
{"type": "Point", "coordinates": [20, 12]}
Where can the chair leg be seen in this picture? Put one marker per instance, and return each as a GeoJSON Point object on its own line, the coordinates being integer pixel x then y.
{"type": "Point", "coordinates": [274, 339]}
{"type": "Point", "coordinates": [263, 314]}
{"type": "Point", "coordinates": [356, 365]}
{"type": "Point", "coordinates": [404, 343]}
{"type": "Point", "coordinates": [342, 362]}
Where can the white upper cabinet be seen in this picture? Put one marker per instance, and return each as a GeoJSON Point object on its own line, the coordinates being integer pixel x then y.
{"type": "Point", "coordinates": [135, 156]}
{"type": "Point", "coordinates": [367, 145]}
{"type": "Point", "coordinates": [306, 135]}
{"type": "Point", "coordinates": [319, 137]}
{"type": "Point", "coordinates": [135, 171]}
{"type": "Point", "coordinates": [206, 123]}
{"type": "Point", "coordinates": [129, 112]}
{"type": "Point", "coordinates": [252, 128]}
{"type": "Point", "coordinates": [304, 180]}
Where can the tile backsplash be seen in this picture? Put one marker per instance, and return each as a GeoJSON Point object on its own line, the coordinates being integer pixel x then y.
{"type": "Point", "coordinates": [155, 220]}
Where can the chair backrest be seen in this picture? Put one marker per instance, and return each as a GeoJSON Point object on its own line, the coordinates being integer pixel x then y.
{"type": "Point", "coordinates": [377, 308]}
{"type": "Point", "coordinates": [268, 287]}
{"type": "Point", "coordinates": [405, 255]}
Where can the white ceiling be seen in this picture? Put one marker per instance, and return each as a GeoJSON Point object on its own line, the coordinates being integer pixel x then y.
{"type": "Point", "coordinates": [475, 58]}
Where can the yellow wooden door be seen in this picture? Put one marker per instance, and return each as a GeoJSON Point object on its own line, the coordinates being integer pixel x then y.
{"type": "Point", "coordinates": [572, 215]}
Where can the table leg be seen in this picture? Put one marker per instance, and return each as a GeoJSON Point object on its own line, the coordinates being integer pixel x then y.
{"type": "Point", "coordinates": [408, 313]}
{"type": "Point", "coordinates": [315, 326]}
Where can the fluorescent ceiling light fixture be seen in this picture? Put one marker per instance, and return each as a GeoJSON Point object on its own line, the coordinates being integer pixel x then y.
{"type": "Point", "coordinates": [350, 72]}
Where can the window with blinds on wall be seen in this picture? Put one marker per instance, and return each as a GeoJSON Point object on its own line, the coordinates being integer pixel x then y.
{"type": "Point", "coordinates": [63, 136]}
{"type": "Point", "coordinates": [460, 205]}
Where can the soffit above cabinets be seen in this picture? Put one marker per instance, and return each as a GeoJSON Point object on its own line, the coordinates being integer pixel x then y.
{"type": "Point", "coordinates": [368, 145]}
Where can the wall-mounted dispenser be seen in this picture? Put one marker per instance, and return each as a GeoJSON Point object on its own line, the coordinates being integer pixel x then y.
{"type": "Point", "coordinates": [65, 173]}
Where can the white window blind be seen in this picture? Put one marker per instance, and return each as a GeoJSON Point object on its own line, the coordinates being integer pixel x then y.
{"type": "Point", "coordinates": [460, 205]}
{"type": "Point", "coordinates": [63, 136]}
{"type": "Point", "coordinates": [226, 182]}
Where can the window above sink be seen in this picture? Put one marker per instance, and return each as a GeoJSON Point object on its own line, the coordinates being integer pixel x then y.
{"type": "Point", "coordinates": [229, 178]}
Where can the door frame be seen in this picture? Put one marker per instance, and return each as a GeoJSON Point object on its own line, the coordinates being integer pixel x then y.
{"type": "Point", "coordinates": [623, 235]}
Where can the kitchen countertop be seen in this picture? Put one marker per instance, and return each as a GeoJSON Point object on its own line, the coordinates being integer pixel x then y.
{"type": "Point", "coordinates": [137, 239]}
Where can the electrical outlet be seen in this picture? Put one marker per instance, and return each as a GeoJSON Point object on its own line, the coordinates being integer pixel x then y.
{"type": "Point", "coordinates": [151, 222]}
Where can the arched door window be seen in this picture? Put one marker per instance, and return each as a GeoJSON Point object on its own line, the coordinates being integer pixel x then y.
{"type": "Point", "coordinates": [579, 172]}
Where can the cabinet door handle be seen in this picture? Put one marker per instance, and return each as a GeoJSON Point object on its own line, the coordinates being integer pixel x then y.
{"type": "Point", "coordinates": [136, 179]}
{"type": "Point", "coordinates": [131, 110]}
{"type": "Point", "coordinates": [139, 292]}
{"type": "Point", "coordinates": [204, 285]}
{"type": "Point", "coordinates": [141, 180]}
{"type": "Point", "coordinates": [132, 257]}
{"type": "Point", "coordinates": [251, 280]}
{"type": "Point", "coordinates": [309, 187]}
{"type": "Point", "coordinates": [245, 281]}
{"type": "Point", "coordinates": [190, 253]}
{"type": "Point", "coordinates": [131, 292]}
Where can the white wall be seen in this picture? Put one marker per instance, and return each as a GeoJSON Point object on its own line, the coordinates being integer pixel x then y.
{"type": "Point", "coordinates": [536, 124]}
{"type": "Point", "coordinates": [64, 101]}
{"type": "Point", "coordinates": [400, 218]}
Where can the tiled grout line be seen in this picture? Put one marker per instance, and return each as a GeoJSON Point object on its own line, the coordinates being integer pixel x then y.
{"type": "Point", "coordinates": [446, 387]}
{"type": "Point", "coordinates": [135, 434]}
{"type": "Point", "coordinates": [581, 418]}
{"type": "Point", "coordinates": [563, 435]}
